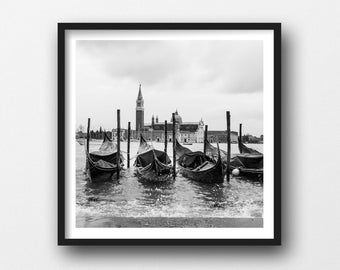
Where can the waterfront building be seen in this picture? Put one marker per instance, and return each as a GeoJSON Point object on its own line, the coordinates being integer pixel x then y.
{"type": "Point", "coordinates": [186, 132]}
{"type": "Point", "coordinates": [221, 136]}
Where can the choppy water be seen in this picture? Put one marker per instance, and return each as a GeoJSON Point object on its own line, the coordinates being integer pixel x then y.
{"type": "Point", "coordinates": [127, 197]}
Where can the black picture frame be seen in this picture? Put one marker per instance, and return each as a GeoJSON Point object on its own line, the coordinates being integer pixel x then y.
{"type": "Point", "coordinates": [63, 27]}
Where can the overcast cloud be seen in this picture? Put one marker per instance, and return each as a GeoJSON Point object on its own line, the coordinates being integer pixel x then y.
{"type": "Point", "coordinates": [202, 79]}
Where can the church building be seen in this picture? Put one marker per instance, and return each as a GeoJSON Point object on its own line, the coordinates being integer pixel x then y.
{"type": "Point", "coordinates": [186, 132]}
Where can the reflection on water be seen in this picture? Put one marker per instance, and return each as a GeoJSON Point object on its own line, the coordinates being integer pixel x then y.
{"type": "Point", "coordinates": [129, 197]}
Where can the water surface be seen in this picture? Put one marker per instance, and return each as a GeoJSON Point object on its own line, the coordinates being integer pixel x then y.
{"type": "Point", "coordinates": [128, 197]}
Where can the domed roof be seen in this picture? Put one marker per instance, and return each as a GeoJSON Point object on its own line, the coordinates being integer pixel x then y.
{"type": "Point", "coordinates": [178, 118]}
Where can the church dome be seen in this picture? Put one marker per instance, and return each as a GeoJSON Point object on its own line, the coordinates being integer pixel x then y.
{"type": "Point", "coordinates": [178, 118]}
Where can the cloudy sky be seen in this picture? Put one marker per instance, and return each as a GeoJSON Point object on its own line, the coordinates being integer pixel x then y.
{"type": "Point", "coordinates": [201, 79]}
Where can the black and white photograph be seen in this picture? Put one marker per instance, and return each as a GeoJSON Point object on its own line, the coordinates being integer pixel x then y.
{"type": "Point", "coordinates": [169, 134]}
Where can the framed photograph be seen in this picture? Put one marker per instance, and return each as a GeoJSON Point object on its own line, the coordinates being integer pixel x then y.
{"type": "Point", "coordinates": [169, 134]}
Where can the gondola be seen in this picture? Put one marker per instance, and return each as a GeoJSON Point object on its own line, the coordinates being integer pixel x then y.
{"type": "Point", "coordinates": [249, 162]}
{"type": "Point", "coordinates": [198, 166]}
{"type": "Point", "coordinates": [102, 164]}
{"type": "Point", "coordinates": [250, 165]}
{"type": "Point", "coordinates": [151, 164]}
{"type": "Point", "coordinates": [247, 150]}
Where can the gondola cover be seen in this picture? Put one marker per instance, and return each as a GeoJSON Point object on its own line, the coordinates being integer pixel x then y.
{"type": "Point", "coordinates": [151, 164]}
{"type": "Point", "coordinates": [102, 164]}
{"type": "Point", "coordinates": [198, 166]}
{"type": "Point", "coordinates": [147, 157]}
{"type": "Point", "coordinates": [193, 159]}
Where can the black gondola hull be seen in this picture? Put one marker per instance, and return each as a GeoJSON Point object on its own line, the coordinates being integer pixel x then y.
{"type": "Point", "coordinates": [102, 167]}
{"type": "Point", "coordinates": [101, 170]}
{"type": "Point", "coordinates": [215, 174]}
{"type": "Point", "coordinates": [256, 174]}
{"type": "Point", "coordinates": [97, 174]}
{"type": "Point", "coordinates": [152, 165]}
{"type": "Point", "coordinates": [249, 165]}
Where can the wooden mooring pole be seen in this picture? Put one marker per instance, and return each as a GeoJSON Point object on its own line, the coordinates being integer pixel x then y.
{"type": "Point", "coordinates": [174, 145]}
{"type": "Point", "coordinates": [87, 143]}
{"type": "Point", "coordinates": [205, 139]}
{"type": "Point", "coordinates": [88, 135]}
{"type": "Point", "coordinates": [118, 143]}
{"type": "Point", "coordinates": [240, 133]}
{"type": "Point", "coordinates": [165, 136]}
{"type": "Point", "coordinates": [228, 146]}
{"type": "Point", "coordinates": [240, 138]}
{"type": "Point", "coordinates": [128, 144]}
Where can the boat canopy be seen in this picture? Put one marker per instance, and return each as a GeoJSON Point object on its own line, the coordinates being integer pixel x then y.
{"type": "Point", "coordinates": [193, 159]}
{"type": "Point", "coordinates": [107, 152]}
{"type": "Point", "coordinates": [147, 157]}
{"type": "Point", "coordinates": [249, 161]}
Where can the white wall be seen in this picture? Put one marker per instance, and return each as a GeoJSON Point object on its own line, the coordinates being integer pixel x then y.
{"type": "Point", "coordinates": [28, 143]}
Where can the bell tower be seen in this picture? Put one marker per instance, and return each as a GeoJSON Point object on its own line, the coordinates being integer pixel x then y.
{"type": "Point", "coordinates": [139, 111]}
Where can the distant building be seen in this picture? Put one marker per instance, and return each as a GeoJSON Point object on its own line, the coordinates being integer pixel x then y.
{"type": "Point", "coordinates": [221, 136]}
{"type": "Point", "coordinates": [252, 139]}
{"type": "Point", "coordinates": [139, 111]}
{"type": "Point", "coordinates": [187, 132]}
{"type": "Point", "coordinates": [192, 132]}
